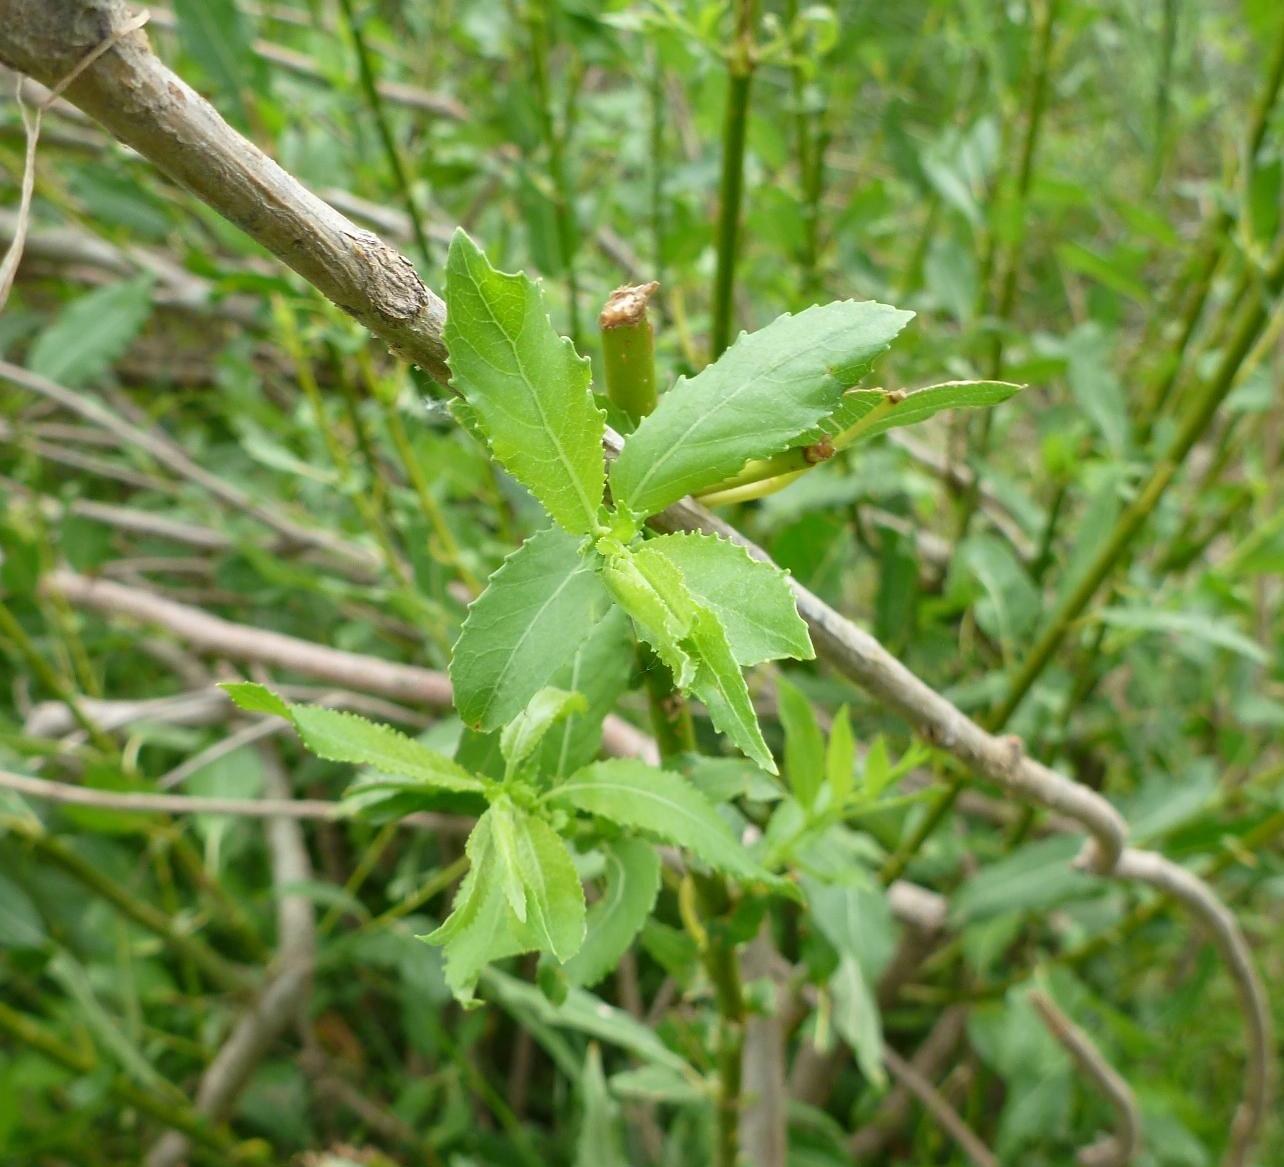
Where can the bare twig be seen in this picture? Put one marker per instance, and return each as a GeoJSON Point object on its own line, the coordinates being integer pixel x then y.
{"type": "Point", "coordinates": [170, 455]}
{"type": "Point", "coordinates": [295, 809]}
{"type": "Point", "coordinates": [859, 656]}
{"type": "Point", "coordinates": [1117, 1149]}
{"type": "Point", "coordinates": [284, 995]}
{"type": "Point", "coordinates": [928, 1061]}
{"type": "Point", "coordinates": [212, 634]}
{"type": "Point", "coordinates": [147, 106]}
{"type": "Point", "coordinates": [935, 1104]}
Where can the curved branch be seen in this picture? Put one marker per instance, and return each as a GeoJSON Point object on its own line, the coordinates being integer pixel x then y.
{"type": "Point", "coordinates": [1202, 902]}
{"type": "Point", "coordinates": [1118, 1149]}
{"type": "Point", "coordinates": [947, 1118]}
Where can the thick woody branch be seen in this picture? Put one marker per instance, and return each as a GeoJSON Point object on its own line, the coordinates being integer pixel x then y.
{"type": "Point", "coordinates": [146, 105]}
{"type": "Point", "coordinates": [1118, 1149]}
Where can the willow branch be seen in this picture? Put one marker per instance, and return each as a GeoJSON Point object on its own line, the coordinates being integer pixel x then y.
{"type": "Point", "coordinates": [292, 809]}
{"type": "Point", "coordinates": [947, 1118]}
{"type": "Point", "coordinates": [1118, 1149]}
{"type": "Point", "coordinates": [1202, 902]}
{"type": "Point", "coordinates": [144, 104]}
{"type": "Point", "coordinates": [212, 634]}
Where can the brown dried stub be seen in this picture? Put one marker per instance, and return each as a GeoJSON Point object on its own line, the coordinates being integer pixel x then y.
{"type": "Point", "coordinates": [627, 305]}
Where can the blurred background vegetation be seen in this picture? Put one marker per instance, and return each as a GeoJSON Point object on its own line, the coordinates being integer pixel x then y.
{"type": "Point", "coordinates": [1081, 195]}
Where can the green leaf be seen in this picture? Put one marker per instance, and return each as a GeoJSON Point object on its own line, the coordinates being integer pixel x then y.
{"type": "Point", "coordinates": [653, 592]}
{"type": "Point", "coordinates": [752, 599]}
{"type": "Point", "coordinates": [522, 736]}
{"type": "Point", "coordinates": [804, 743]}
{"type": "Point", "coordinates": [255, 698]}
{"type": "Point", "coordinates": [585, 1013]}
{"type": "Point", "coordinates": [515, 861]}
{"type": "Point", "coordinates": [632, 883]}
{"type": "Point", "coordinates": [599, 1143]}
{"type": "Point", "coordinates": [632, 794]}
{"type": "Point", "coordinates": [720, 684]}
{"type": "Point", "coordinates": [600, 670]}
{"type": "Point", "coordinates": [482, 927]}
{"type": "Point", "coordinates": [1036, 877]}
{"type": "Point", "coordinates": [766, 389]}
{"type": "Point", "coordinates": [87, 336]}
{"type": "Point", "coordinates": [344, 737]}
{"type": "Point", "coordinates": [857, 1020]}
{"type": "Point", "coordinates": [540, 606]}
{"type": "Point", "coordinates": [218, 36]}
{"type": "Point", "coordinates": [527, 385]}
{"type": "Point", "coordinates": [689, 638]}
{"type": "Point", "coordinates": [840, 757]}
{"type": "Point", "coordinates": [874, 411]}
{"type": "Point", "coordinates": [20, 922]}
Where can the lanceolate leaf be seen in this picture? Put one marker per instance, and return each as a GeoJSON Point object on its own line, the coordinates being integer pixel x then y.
{"type": "Point", "coordinates": [856, 1019]}
{"type": "Point", "coordinates": [518, 858]}
{"type": "Point", "coordinates": [768, 388]}
{"type": "Point", "coordinates": [344, 737]}
{"type": "Point", "coordinates": [752, 599]}
{"type": "Point", "coordinates": [651, 590]}
{"type": "Point", "coordinates": [720, 684]}
{"type": "Point", "coordinates": [632, 882]}
{"type": "Point", "coordinates": [542, 603]}
{"type": "Point", "coordinates": [522, 736]}
{"type": "Point", "coordinates": [600, 670]}
{"type": "Point", "coordinates": [877, 411]}
{"type": "Point", "coordinates": [633, 794]}
{"type": "Point", "coordinates": [527, 386]}
{"type": "Point", "coordinates": [804, 743]}
{"type": "Point", "coordinates": [91, 332]}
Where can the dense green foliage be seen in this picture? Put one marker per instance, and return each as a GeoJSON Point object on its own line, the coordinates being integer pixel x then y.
{"type": "Point", "coordinates": [1076, 209]}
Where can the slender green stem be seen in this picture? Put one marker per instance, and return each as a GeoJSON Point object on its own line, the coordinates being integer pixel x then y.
{"type": "Point", "coordinates": [219, 970]}
{"type": "Point", "coordinates": [740, 66]}
{"type": "Point", "coordinates": [539, 16]}
{"type": "Point", "coordinates": [1010, 263]}
{"type": "Point", "coordinates": [1250, 321]}
{"type": "Point", "coordinates": [169, 1112]}
{"type": "Point", "coordinates": [448, 550]}
{"type": "Point", "coordinates": [658, 112]}
{"type": "Point", "coordinates": [370, 88]}
{"type": "Point", "coordinates": [1163, 89]}
{"type": "Point", "coordinates": [13, 631]}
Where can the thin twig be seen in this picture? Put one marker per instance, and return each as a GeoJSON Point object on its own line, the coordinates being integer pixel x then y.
{"type": "Point", "coordinates": [1122, 1147]}
{"type": "Point", "coordinates": [295, 809]}
{"type": "Point", "coordinates": [947, 1118]}
{"type": "Point", "coordinates": [212, 634]}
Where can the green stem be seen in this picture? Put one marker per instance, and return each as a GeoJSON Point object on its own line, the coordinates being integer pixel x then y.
{"type": "Point", "coordinates": [219, 970]}
{"type": "Point", "coordinates": [722, 966]}
{"type": "Point", "coordinates": [1036, 104]}
{"type": "Point", "coordinates": [628, 349]}
{"type": "Point", "coordinates": [173, 1114]}
{"type": "Point", "coordinates": [1251, 319]}
{"type": "Point", "coordinates": [740, 66]}
{"type": "Point", "coordinates": [657, 164]}
{"type": "Point", "coordinates": [14, 632]}
{"type": "Point", "coordinates": [370, 88]}
{"type": "Point", "coordinates": [539, 16]}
